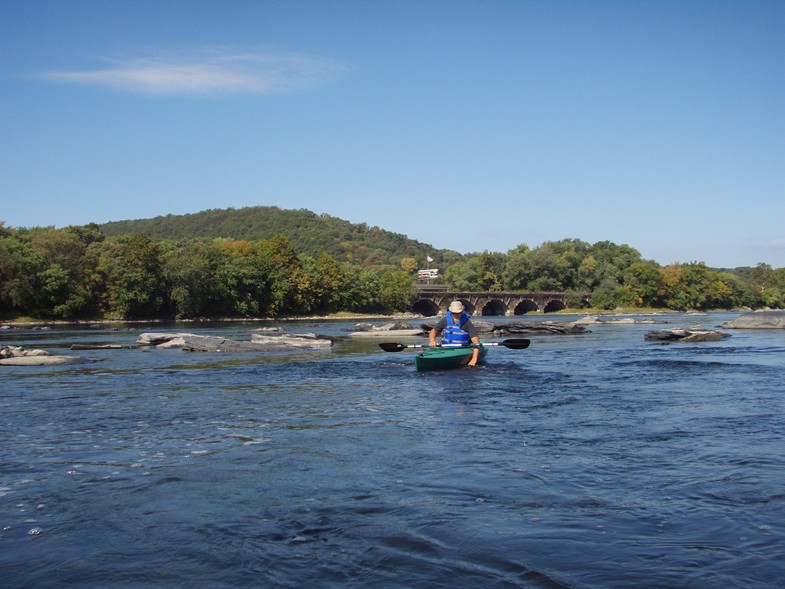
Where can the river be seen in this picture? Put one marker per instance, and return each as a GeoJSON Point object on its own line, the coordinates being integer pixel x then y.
{"type": "Point", "coordinates": [586, 461]}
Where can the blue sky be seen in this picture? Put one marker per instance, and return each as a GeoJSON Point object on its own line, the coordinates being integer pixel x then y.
{"type": "Point", "coordinates": [470, 125]}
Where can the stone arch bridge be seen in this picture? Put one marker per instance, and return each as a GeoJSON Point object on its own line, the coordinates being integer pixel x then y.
{"type": "Point", "coordinates": [434, 300]}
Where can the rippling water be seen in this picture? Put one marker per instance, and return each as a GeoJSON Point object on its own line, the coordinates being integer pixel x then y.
{"type": "Point", "coordinates": [598, 460]}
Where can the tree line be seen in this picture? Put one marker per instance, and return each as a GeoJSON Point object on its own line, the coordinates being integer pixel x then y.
{"type": "Point", "coordinates": [617, 276]}
{"type": "Point", "coordinates": [77, 272]}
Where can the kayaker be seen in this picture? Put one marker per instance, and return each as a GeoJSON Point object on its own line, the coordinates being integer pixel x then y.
{"type": "Point", "coordinates": [458, 330]}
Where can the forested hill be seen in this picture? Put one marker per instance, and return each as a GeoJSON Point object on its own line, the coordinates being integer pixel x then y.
{"type": "Point", "coordinates": [307, 232]}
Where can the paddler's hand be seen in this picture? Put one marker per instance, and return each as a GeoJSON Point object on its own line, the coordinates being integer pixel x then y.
{"type": "Point", "coordinates": [475, 352]}
{"type": "Point", "coordinates": [433, 344]}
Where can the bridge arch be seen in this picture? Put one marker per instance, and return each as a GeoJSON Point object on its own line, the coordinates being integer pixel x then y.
{"type": "Point", "coordinates": [554, 305]}
{"type": "Point", "coordinates": [524, 307]}
{"type": "Point", "coordinates": [494, 307]}
{"type": "Point", "coordinates": [426, 308]}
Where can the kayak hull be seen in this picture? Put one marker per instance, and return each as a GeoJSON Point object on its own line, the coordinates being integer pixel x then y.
{"type": "Point", "coordinates": [446, 358]}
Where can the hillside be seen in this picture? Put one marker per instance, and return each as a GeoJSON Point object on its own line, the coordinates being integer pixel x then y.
{"type": "Point", "coordinates": [308, 233]}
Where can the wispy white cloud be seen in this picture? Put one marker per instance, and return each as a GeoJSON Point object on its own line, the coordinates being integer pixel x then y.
{"type": "Point", "coordinates": [778, 243]}
{"type": "Point", "coordinates": [209, 72]}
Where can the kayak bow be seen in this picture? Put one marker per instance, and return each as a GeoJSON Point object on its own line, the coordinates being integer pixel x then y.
{"type": "Point", "coordinates": [446, 357]}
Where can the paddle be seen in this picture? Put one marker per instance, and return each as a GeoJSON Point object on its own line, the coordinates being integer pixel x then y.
{"type": "Point", "coordinates": [513, 344]}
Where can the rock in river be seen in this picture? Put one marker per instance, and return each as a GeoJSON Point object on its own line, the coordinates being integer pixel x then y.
{"type": "Point", "coordinates": [685, 335]}
{"type": "Point", "coordinates": [758, 320]}
{"type": "Point", "coordinates": [207, 343]}
{"type": "Point", "coordinates": [19, 356]}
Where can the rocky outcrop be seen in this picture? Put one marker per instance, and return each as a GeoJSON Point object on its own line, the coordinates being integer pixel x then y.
{"type": "Point", "coordinates": [398, 328]}
{"type": "Point", "coordinates": [267, 342]}
{"type": "Point", "coordinates": [538, 328]}
{"type": "Point", "coordinates": [156, 339]}
{"type": "Point", "coordinates": [595, 320]}
{"type": "Point", "coordinates": [392, 326]}
{"type": "Point", "coordinates": [685, 335]}
{"type": "Point", "coordinates": [20, 356]}
{"type": "Point", "coordinates": [758, 320]}
{"type": "Point", "coordinates": [292, 340]}
{"type": "Point", "coordinates": [588, 320]}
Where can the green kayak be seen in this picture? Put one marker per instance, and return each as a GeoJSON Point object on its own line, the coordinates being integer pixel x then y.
{"type": "Point", "coordinates": [444, 358]}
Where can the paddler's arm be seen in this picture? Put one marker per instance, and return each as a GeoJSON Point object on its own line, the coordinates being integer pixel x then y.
{"type": "Point", "coordinates": [434, 333]}
{"type": "Point", "coordinates": [475, 351]}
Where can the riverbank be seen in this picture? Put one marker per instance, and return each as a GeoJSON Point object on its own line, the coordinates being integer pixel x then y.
{"type": "Point", "coordinates": [20, 322]}
{"type": "Point", "coordinates": [33, 322]}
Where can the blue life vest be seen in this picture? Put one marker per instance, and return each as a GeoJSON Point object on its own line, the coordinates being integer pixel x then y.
{"type": "Point", "coordinates": [453, 333]}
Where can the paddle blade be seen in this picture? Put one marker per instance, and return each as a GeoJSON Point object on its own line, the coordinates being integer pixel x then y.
{"type": "Point", "coordinates": [516, 344]}
{"type": "Point", "coordinates": [392, 347]}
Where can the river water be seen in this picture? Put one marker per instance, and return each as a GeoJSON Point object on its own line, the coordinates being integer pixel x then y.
{"type": "Point", "coordinates": [595, 460]}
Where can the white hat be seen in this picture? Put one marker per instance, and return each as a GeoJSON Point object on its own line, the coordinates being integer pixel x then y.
{"type": "Point", "coordinates": [456, 307]}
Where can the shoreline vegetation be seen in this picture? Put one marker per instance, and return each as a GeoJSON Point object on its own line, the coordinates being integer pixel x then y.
{"type": "Point", "coordinates": [20, 322]}
{"type": "Point", "coordinates": [267, 264]}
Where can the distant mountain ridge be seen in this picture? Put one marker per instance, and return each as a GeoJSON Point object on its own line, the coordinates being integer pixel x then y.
{"type": "Point", "coordinates": [307, 232]}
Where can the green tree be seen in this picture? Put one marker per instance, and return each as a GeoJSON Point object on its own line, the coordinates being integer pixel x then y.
{"type": "Point", "coordinates": [246, 286]}
{"type": "Point", "coordinates": [134, 278]}
{"type": "Point", "coordinates": [606, 295]}
{"type": "Point", "coordinates": [190, 269]}
{"type": "Point", "coordinates": [87, 234]}
{"type": "Point", "coordinates": [728, 291]}
{"type": "Point", "coordinates": [555, 265]}
{"type": "Point", "coordinates": [20, 264]}
{"type": "Point", "coordinates": [409, 265]}
{"type": "Point", "coordinates": [490, 266]}
{"type": "Point", "coordinates": [360, 288]}
{"type": "Point", "coordinates": [773, 297]}
{"type": "Point", "coordinates": [288, 283]}
{"type": "Point", "coordinates": [762, 278]}
{"type": "Point", "coordinates": [397, 292]}
{"type": "Point", "coordinates": [324, 277]}
{"type": "Point", "coordinates": [643, 282]}
{"type": "Point", "coordinates": [688, 286]}
{"type": "Point", "coordinates": [612, 259]}
{"type": "Point", "coordinates": [518, 269]}
{"type": "Point", "coordinates": [590, 273]}
{"type": "Point", "coordinates": [66, 285]}
{"type": "Point", "coordinates": [464, 276]}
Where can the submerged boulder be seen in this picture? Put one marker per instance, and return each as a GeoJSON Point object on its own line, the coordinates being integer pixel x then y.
{"type": "Point", "coordinates": [758, 320]}
{"type": "Point", "coordinates": [156, 339]}
{"type": "Point", "coordinates": [396, 328]}
{"type": "Point", "coordinates": [20, 356]}
{"type": "Point", "coordinates": [538, 328]}
{"type": "Point", "coordinates": [292, 340]}
{"type": "Point", "coordinates": [391, 326]}
{"type": "Point", "coordinates": [207, 343]}
{"type": "Point", "coordinates": [686, 335]}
